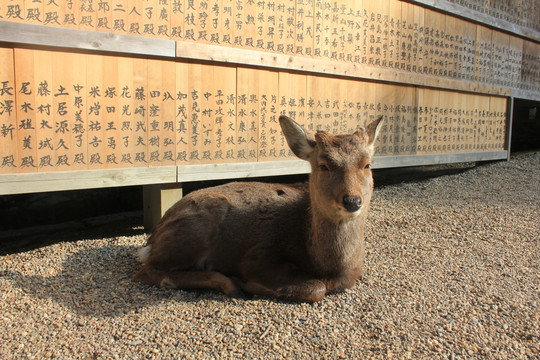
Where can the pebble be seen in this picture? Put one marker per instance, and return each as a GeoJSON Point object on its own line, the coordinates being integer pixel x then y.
{"type": "Point", "coordinates": [451, 273]}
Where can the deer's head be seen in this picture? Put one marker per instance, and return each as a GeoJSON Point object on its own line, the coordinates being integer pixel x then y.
{"type": "Point", "coordinates": [341, 183]}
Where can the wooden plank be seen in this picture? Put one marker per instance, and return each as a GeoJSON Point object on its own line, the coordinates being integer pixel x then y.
{"type": "Point", "coordinates": [135, 11]}
{"type": "Point", "coordinates": [468, 31]}
{"type": "Point", "coordinates": [119, 16]}
{"type": "Point", "coordinates": [54, 15]}
{"type": "Point", "coordinates": [382, 162]}
{"type": "Point", "coordinates": [483, 54]}
{"type": "Point", "coordinates": [43, 64]}
{"type": "Point", "coordinates": [244, 26]}
{"type": "Point", "coordinates": [266, 88]}
{"type": "Point", "coordinates": [530, 73]}
{"type": "Point", "coordinates": [87, 15]}
{"type": "Point", "coordinates": [85, 179]}
{"type": "Point", "coordinates": [321, 29]}
{"type": "Point", "coordinates": [95, 115]}
{"type": "Point", "coordinates": [498, 107]}
{"type": "Point", "coordinates": [33, 13]}
{"type": "Point", "coordinates": [321, 93]}
{"type": "Point", "coordinates": [157, 199]}
{"type": "Point", "coordinates": [27, 119]}
{"type": "Point", "coordinates": [89, 40]}
{"type": "Point", "coordinates": [404, 101]}
{"type": "Point", "coordinates": [397, 13]}
{"type": "Point", "coordinates": [8, 113]}
{"type": "Point", "coordinates": [112, 127]}
{"type": "Point", "coordinates": [182, 122]}
{"type": "Point", "coordinates": [515, 56]}
{"type": "Point", "coordinates": [139, 150]}
{"type": "Point", "coordinates": [162, 21]}
{"type": "Point", "coordinates": [250, 57]}
{"type": "Point", "coordinates": [88, 179]}
{"type": "Point", "coordinates": [434, 24]}
{"type": "Point", "coordinates": [304, 28]}
{"type": "Point", "coordinates": [224, 54]}
{"type": "Point", "coordinates": [177, 16]}
{"type": "Point", "coordinates": [226, 25]}
{"type": "Point", "coordinates": [13, 11]}
{"type": "Point", "coordinates": [250, 117]}
{"type": "Point", "coordinates": [125, 141]}
{"type": "Point", "coordinates": [291, 102]}
{"type": "Point", "coordinates": [241, 170]}
{"type": "Point", "coordinates": [161, 112]}
{"type": "Point", "coordinates": [479, 17]}
{"type": "Point", "coordinates": [431, 119]}
{"type": "Point", "coordinates": [68, 106]}
{"type": "Point", "coordinates": [500, 43]}
{"type": "Point", "coordinates": [192, 25]}
{"type": "Point", "coordinates": [195, 91]}
{"type": "Point", "coordinates": [79, 108]}
{"type": "Point", "coordinates": [286, 32]}
{"type": "Point", "coordinates": [222, 126]}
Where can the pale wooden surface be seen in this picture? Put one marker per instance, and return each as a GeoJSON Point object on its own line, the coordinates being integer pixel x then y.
{"type": "Point", "coordinates": [157, 199]}
{"type": "Point", "coordinates": [81, 39]}
{"type": "Point", "coordinates": [84, 179]}
{"type": "Point", "coordinates": [331, 66]}
{"type": "Point", "coordinates": [89, 179]}
{"type": "Point", "coordinates": [481, 17]}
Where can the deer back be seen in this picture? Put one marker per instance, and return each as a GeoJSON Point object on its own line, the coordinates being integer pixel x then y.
{"type": "Point", "coordinates": [230, 220]}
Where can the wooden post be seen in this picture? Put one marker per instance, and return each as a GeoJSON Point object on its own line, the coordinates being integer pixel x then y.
{"type": "Point", "coordinates": [509, 122]}
{"type": "Point", "coordinates": [157, 199]}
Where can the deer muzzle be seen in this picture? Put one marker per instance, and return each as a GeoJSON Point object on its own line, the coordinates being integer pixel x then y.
{"type": "Point", "coordinates": [352, 203]}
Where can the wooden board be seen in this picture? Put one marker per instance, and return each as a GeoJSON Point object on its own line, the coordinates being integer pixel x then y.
{"type": "Point", "coordinates": [81, 111]}
{"type": "Point", "coordinates": [9, 152]}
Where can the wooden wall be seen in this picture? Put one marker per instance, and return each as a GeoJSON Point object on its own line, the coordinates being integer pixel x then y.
{"type": "Point", "coordinates": [442, 82]}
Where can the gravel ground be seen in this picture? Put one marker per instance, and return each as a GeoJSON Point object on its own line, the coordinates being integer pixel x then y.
{"type": "Point", "coordinates": [452, 273]}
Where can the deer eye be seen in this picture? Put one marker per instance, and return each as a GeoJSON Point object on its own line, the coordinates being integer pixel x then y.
{"type": "Point", "coordinates": [323, 167]}
{"type": "Point", "coordinates": [367, 166]}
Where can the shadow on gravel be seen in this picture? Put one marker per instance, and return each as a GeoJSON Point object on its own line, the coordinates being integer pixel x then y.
{"type": "Point", "coordinates": [30, 238]}
{"type": "Point", "coordinates": [393, 176]}
{"type": "Point", "coordinates": [97, 282]}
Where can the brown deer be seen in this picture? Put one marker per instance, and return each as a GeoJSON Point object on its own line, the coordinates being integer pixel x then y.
{"type": "Point", "coordinates": [295, 242]}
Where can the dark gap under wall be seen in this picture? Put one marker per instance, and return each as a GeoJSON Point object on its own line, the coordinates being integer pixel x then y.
{"type": "Point", "coordinates": [525, 126]}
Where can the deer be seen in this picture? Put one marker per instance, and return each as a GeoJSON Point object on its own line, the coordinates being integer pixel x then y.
{"type": "Point", "coordinates": [295, 242]}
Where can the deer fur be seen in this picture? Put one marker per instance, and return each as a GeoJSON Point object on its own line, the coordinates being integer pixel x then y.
{"type": "Point", "coordinates": [296, 242]}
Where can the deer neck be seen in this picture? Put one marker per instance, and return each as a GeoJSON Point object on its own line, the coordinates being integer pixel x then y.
{"type": "Point", "coordinates": [336, 247]}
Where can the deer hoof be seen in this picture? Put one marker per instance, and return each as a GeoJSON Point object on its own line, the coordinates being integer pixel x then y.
{"type": "Point", "coordinates": [167, 283]}
{"type": "Point", "coordinates": [237, 294]}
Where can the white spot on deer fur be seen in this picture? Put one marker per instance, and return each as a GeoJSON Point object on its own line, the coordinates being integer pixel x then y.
{"type": "Point", "coordinates": [167, 283]}
{"type": "Point", "coordinates": [144, 253]}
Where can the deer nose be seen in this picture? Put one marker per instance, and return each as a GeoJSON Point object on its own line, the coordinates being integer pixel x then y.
{"type": "Point", "coordinates": [352, 203]}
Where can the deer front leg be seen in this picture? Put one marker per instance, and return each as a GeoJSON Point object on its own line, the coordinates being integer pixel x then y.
{"type": "Point", "coordinates": [286, 282]}
{"type": "Point", "coordinates": [189, 280]}
{"type": "Point", "coordinates": [342, 282]}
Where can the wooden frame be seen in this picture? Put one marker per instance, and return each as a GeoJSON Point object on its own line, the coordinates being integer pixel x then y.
{"type": "Point", "coordinates": [286, 69]}
{"type": "Point", "coordinates": [19, 33]}
{"type": "Point", "coordinates": [87, 179]}
{"type": "Point", "coordinates": [40, 35]}
{"type": "Point", "coordinates": [479, 17]}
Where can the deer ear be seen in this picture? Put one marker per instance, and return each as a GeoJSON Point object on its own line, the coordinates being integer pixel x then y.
{"type": "Point", "coordinates": [372, 131]}
{"type": "Point", "coordinates": [301, 142]}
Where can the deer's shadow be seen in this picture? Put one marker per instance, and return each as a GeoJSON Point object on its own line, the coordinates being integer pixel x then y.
{"type": "Point", "coordinates": [98, 282]}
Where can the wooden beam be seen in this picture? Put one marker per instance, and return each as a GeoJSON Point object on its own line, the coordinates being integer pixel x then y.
{"type": "Point", "coordinates": [29, 34]}
{"type": "Point", "coordinates": [223, 54]}
{"type": "Point", "coordinates": [88, 179]}
{"type": "Point", "coordinates": [454, 9]}
{"type": "Point", "coordinates": [80, 39]}
{"type": "Point", "coordinates": [84, 179]}
{"type": "Point", "coordinates": [157, 199]}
